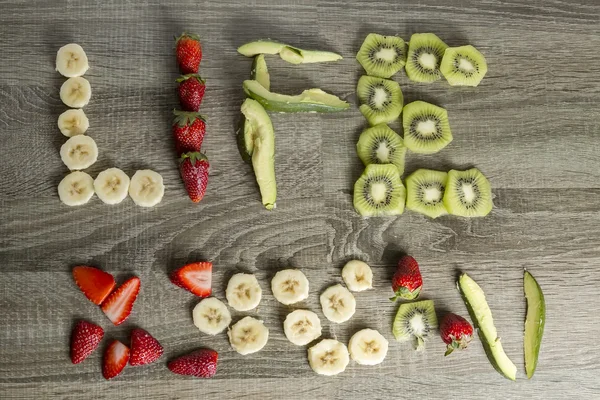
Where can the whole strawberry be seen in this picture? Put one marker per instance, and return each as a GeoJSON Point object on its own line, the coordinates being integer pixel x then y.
{"type": "Point", "coordinates": [194, 167]}
{"type": "Point", "coordinates": [188, 130]}
{"type": "Point", "coordinates": [407, 281]}
{"type": "Point", "coordinates": [200, 363]}
{"type": "Point", "coordinates": [188, 52]}
{"type": "Point", "coordinates": [191, 91]}
{"type": "Point", "coordinates": [456, 332]}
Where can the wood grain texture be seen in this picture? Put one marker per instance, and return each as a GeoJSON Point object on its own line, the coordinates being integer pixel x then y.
{"type": "Point", "coordinates": [532, 127]}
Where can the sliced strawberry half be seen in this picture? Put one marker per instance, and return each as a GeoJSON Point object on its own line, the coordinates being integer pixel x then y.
{"type": "Point", "coordinates": [201, 363]}
{"type": "Point", "coordinates": [94, 283]}
{"type": "Point", "coordinates": [195, 278]}
{"type": "Point", "coordinates": [144, 348]}
{"type": "Point", "coordinates": [118, 305]}
{"type": "Point", "coordinates": [115, 359]}
{"type": "Point", "coordinates": [84, 340]}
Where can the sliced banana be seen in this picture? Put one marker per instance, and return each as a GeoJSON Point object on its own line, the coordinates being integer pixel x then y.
{"type": "Point", "coordinates": [368, 347]}
{"type": "Point", "coordinates": [112, 185]}
{"type": "Point", "coordinates": [338, 304]}
{"type": "Point", "coordinates": [302, 327]}
{"type": "Point", "coordinates": [71, 60]}
{"type": "Point", "coordinates": [211, 316]}
{"type": "Point", "coordinates": [289, 286]}
{"type": "Point", "coordinates": [76, 92]}
{"type": "Point", "coordinates": [357, 275]}
{"type": "Point", "coordinates": [248, 335]}
{"type": "Point", "coordinates": [73, 122]}
{"type": "Point", "coordinates": [76, 189]}
{"type": "Point", "coordinates": [79, 152]}
{"type": "Point", "coordinates": [328, 357]}
{"type": "Point", "coordinates": [243, 292]}
{"type": "Point", "coordinates": [146, 188]}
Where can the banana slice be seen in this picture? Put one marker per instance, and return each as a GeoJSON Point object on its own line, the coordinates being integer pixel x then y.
{"type": "Point", "coordinates": [338, 304]}
{"type": "Point", "coordinates": [328, 357]}
{"type": "Point", "coordinates": [76, 189]}
{"type": "Point", "coordinates": [302, 327]}
{"type": "Point", "coordinates": [211, 316]}
{"type": "Point", "coordinates": [79, 152]}
{"type": "Point", "coordinates": [368, 347]}
{"type": "Point", "coordinates": [289, 286]}
{"type": "Point", "coordinates": [248, 335]}
{"type": "Point", "coordinates": [73, 122]}
{"type": "Point", "coordinates": [71, 60]}
{"type": "Point", "coordinates": [112, 185]}
{"type": "Point", "coordinates": [146, 188]}
{"type": "Point", "coordinates": [357, 275]}
{"type": "Point", "coordinates": [243, 292]}
{"type": "Point", "coordinates": [76, 92]}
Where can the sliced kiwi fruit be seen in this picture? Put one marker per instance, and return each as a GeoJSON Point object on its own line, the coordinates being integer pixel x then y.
{"type": "Point", "coordinates": [382, 56]}
{"type": "Point", "coordinates": [381, 99]}
{"type": "Point", "coordinates": [381, 145]}
{"type": "Point", "coordinates": [425, 192]}
{"type": "Point", "coordinates": [426, 127]}
{"type": "Point", "coordinates": [463, 66]}
{"type": "Point", "coordinates": [416, 321]}
{"type": "Point", "coordinates": [425, 53]}
{"type": "Point", "coordinates": [468, 193]}
{"type": "Point", "coordinates": [379, 191]}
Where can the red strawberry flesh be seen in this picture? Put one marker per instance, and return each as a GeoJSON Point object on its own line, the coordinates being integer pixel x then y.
{"type": "Point", "coordinates": [188, 52]}
{"type": "Point", "coordinates": [95, 284]}
{"type": "Point", "coordinates": [195, 278]}
{"type": "Point", "coordinates": [118, 305]}
{"type": "Point", "coordinates": [407, 281]}
{"type": "Point", "coordinates": [200, 363]}
{"type": "Point", "coordinates": [115, 359]}
{"type": "Point", "coordinates": [145, 349]}
{"type": "Point", "coordinates": [193, 168]}
{"type": "Point", "coordinates": [188, 131]}
{"type": "Point", "coordinates": [84, 340]}
{"type": "Point", "coordinates": [191, 92]}
{"type": "Point", "coordinates": [456, 332]}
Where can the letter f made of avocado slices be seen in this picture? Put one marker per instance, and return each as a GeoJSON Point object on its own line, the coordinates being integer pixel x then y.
{"type": "Point", "coordinates": [259, 144]}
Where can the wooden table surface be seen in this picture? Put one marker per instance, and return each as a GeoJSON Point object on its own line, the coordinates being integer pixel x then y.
{"type": "Point", "coordinates": [532, 127]}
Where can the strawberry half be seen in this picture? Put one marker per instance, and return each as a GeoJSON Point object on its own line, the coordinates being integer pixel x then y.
{"type": "Point", "coordinates": [407, 281]}
{"type": "Point", "coordinates": [456, 332]}
{"type": "Point", "coordinates": [188, 131]}
{"type": "Point", "coordinates": [144, 348]}
{"type": "Point", "coordinates": [194, 172]}
{"type": "Point", "coordinates": [191, 91]}
{"type": "Point", "coordinates": [200, 363]}
{"type": "Point", "coordinates": [188, 51]}
{"type": "Point", "coordinates": [118, 305]}
{"type": "Point", "coordinates": [94, 283]}
{"type": "Point", "coordinates": [84, 340]}
{"type": "Point", "coordinates": [115, 359]}
{"type": "Point", "coordinates": [195, 278]}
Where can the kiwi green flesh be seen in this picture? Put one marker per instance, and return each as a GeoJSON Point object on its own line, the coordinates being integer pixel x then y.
{"type": "Point", "coordinates": [415, 321]}
{"type": "Point", "coordinates": [463, 66]}
{"type": "Point", "coordinates": [381, 99]}
{"type": "Point", "coordinates": [379, 191]}
{"type": "Point", "coordinates": [260, 73]}
{"type": "Point", "coordinates": [425, 192]}
{"type": "Point", "coordinates": [425, 53]}
{"type": "Point", "coordinates": [426, 127]}
{"type": "Point", "coordinates": [381, 145]}
{"type": "Point", "coordinates": [382, 56]}
{"type": "Point", "coordinates": [468, 193]}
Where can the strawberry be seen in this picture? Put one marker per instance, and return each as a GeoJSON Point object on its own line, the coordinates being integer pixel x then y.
{"type": "Point", "coordinates": [194, 172]}
{"type": "Point", "coordinates": [200, 363]}
{"type": "Point", "coordinates": [84, 340]}
{"type": "Point", "coordinates": [188, 51]}
{"type": "Point", "coordinates": [144, 348]}
{"type": "Point", "coordinates": [188, 129]}
{"type": "Point", "coordinates": [195, 278]}
{"type": "Point", "coordinates": [407, 281]}
{"type": "Point", "coordinates": [118, 305]}
{"type": "Point", "coordinates": [191, 91]}
{"type": "Point", "coordinates": [456, 332]}
{"type": "Point", "coordinates": [115, 359]}
{"type": "Point", "coordinates": [94, 283]}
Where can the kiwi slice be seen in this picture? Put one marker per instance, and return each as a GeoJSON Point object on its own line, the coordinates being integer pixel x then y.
{"type": "Point", "coordinates": [425, 53]}
{"type": "Point", "coordinates": [463, 66]}
{"type": "Point", "coordinates": [382, 56]}
{"type": "Point", "coordinates": [415, 321]}
{"type": "Point", "coordinates": [381, 145]}
{"type": "Point", "coordinates": [468, 193]}
{"type": "Point", "coordinates": [379, 191]}
{"type": "Point", "coordinates": [425, 192]}
{"type": "Point", "coordinates": [426, 127]}
{"type": "Point", "coordinates": [381, 99]}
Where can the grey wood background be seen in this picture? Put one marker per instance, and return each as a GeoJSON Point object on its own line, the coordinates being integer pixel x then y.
{"type": "Point", "coordinates": [532, 127]}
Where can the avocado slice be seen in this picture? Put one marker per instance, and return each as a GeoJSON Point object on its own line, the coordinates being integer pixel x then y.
{"type": "Point", "coordinates": [288, 53]}
{"type": "Point", "coordinates": [260, 73]}
{"type": "Point", "coordinates": [245, 143]}
{"type": "Point", "coordinates": [259, 137]}
{"type": "Point", "coordinates": [534, 323]}
{"type": "Point", "coordinates": [482, 317]}
{"type": "Point", "coordinates": [312, 100]}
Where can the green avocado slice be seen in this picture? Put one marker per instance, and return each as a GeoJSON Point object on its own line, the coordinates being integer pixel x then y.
{"type": "Point", "coordinates": [534, 323]}
{"type": "Point", "coordinates": [260, 73]}
{"type": "Point", "coordinates": [288, 53]}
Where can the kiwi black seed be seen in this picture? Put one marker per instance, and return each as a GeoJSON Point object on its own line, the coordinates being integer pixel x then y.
{"type": "Point", "coordinates": [381, 99]}
{"type": "Point", "coordinates": [415, 321]}
{"type": "Point", "coordinates": [468, 193]}
{"type": "Point", "coordinates": [382, 56]}
{"type": "Point", "coordinates": [463, 66]}
{"type": "Point", "coordinates": [425, 192]}
{"type": "Point", "coordinates": [381, 145]}
{"type": "Point", "coordinates": [426, 127]}
{"type": "Point", "coordinates": [379, 191]}
{"type": "Point", "coordinates": [425, 53]}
